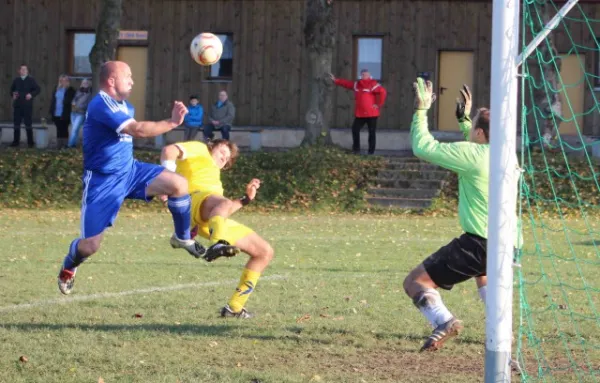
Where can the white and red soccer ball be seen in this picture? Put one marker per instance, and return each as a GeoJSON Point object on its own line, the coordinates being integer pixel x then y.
{"type": "Point", "coordinates": [206, 49]}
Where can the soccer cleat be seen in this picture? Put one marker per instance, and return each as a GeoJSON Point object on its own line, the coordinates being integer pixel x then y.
{"type": "Point", "coordinates": [66, 280]}
{"type": "Point", "coordinates": [220, 249]}
{"type": "Point", "coordinates": [226, 312]}
{"type": "Point", "coordinates": [192, 247]}
{"type": "Point", "coordinates": [441, 334]}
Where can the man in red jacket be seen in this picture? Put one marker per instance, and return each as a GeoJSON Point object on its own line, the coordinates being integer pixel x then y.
{"type": "Point", "coordinates": [369, 97]}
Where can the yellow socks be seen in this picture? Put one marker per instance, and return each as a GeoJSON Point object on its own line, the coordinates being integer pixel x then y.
{"type": "Point", "coordinates": [216, 227]}
{"type": "Point", "coordinates": [245, 288]}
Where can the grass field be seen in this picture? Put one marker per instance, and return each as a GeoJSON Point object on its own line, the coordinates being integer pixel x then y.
{"type": "Point", "coordinates": [330, 308]}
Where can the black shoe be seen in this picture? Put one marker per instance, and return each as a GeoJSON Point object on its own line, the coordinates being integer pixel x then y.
{"type": "Point", "coordinates": [441, 334]}
{"type": "Point", "coordinates": [220, 249]}
{"type": "Point", "coordinates": [226, 312]}
{"type": "Point", "coordinates": [191, 246]}
{"type": "Point", "coordinates": [14, 145]}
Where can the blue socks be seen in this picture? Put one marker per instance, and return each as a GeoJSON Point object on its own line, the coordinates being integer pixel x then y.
{"type": "Point", "coordinates": [180, 208]}
{"type": "Point", "coordinates": [73, 258]}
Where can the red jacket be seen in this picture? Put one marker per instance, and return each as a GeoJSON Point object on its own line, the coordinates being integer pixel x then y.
{"type": "Point", "coordinates": [369, 96]}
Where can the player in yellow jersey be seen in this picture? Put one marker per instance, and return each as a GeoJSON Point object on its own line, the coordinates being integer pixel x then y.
{"type": "Point", "coordinates": [201, 165]}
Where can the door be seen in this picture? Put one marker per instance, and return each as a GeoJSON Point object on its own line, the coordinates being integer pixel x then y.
{"type": "Point", "coordinates": [137, 58]}
{"type": "Point", "coordinates": [455, 69]}
{"type": "Point", "coordinates": [573, 79]}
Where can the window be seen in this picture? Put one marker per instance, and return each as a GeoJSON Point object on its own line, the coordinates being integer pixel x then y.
{"type": "Point", "coordinates": [224, 68]}
{"type": "Point", "coordinates": [368, 54]}
{"type": "Point", "coordinates": [81, 46]}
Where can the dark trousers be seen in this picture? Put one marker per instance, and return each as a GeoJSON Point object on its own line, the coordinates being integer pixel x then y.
{"type": "Point", "coordinates": [210, 128]}
{"type": "Point", "coordinates": [62, 127]}
{"type": "Point", "coordinates": [22, 114]}
{"type": "Point", "coordinates": [359, 122]}
{"type": "Point", "coordinates": [190, 132]}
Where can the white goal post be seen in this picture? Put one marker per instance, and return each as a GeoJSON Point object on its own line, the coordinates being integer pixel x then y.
{"type": "Point", "coordinates": [503, 183]}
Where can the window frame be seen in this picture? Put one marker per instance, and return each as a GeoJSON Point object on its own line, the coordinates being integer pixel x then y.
{"type": "Point", "coordinates": [209, 76]}
{"type": "Point", "coordinates": [71, 50]}
{"type": "Point", "coordinates": [355, 39]}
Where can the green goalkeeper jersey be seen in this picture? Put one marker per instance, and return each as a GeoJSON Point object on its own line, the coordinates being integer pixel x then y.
{"type": "Point", "coordinates": [469, 160]}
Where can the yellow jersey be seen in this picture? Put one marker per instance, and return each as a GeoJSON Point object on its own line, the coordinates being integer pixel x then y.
{"type": "Point", "coordinates": [199, 168]}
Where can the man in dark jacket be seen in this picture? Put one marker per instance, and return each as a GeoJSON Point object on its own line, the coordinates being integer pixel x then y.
{"type": "Point", "coordinates": [23, 90]}
{"type": "Point", "coordinates": [221, 117]}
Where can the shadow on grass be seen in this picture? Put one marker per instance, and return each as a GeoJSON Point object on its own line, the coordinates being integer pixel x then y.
{"type": "Point", "coordinates": [592, 242]}
{"type": "Point", "coordinates": [298, 334]}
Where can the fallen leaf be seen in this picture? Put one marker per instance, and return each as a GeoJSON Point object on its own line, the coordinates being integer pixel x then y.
{"type": "Point", "coordinates": [316, 378]}
{"type": "Point", "coordinates": [324, 316]}
{"type": "Point", "coordinates": [23, 359]}
{"type": "Point", "coordinates": [100, 380]}
{"type": "Point", "coordinates": [338, 318]}
{"type": "Point", "coordinates": [137, 315]}
{"type": "Point", "coordinates": [213, 344]}
{"type": "Point", "coordinates": [303, 318]}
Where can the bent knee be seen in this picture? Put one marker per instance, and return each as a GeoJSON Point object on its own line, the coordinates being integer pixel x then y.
{"type": "Point", "coordinates": [179, 186]}
{"type": "Point", "coordinates": [264, 252]}
{"type": "Point", "coordinates": [408, 281]}
{"type": "Point", "coordinates": [90, 246]}
{"type": "Point", "coordinates": [268, 252]}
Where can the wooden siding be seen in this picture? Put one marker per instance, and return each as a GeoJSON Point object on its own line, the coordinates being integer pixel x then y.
{"type": "Point", "coordinates": [269, 68]}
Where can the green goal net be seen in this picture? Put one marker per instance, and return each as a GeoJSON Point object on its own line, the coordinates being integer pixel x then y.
{"type": "Point", "coordinates": [557, 277]}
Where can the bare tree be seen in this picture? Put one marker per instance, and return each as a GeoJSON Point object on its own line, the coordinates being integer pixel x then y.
{"type": "Point", "coordinates": [319, 38]}
{"type": "Point", "coordinates": [545, 69]}
{"type": "Point", "coordinates": [107, 36]}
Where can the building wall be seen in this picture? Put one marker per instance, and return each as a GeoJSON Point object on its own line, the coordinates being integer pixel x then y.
{"type": "Point", "coordinates": [269, 84]}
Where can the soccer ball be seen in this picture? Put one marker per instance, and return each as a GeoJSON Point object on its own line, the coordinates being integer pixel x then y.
{"type": "Point", "coordinates": [206, 49]}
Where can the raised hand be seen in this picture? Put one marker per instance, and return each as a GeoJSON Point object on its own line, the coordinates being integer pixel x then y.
{"type": "Point", "coordinates": [178, 113]}
{"type": "Point", "coordinates": [252, 187]}
{"type": "Point", "coordinates": [463, 104]}
{"type": "Point", "coordinates": [424, 95]}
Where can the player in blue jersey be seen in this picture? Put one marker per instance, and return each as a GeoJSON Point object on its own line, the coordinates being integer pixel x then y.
{"type": "Point", "coordinates": [111, 174]}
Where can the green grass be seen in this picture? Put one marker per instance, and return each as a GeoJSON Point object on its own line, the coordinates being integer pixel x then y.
{"type": "Point", "coordinates": [330, 307]}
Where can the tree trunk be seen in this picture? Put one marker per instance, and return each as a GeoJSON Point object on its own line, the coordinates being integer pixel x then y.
{"type": "Point", "coordinates": [546, 70]}
{"type": "Point", "coordinates": [319, 38]}
{"type": "Point", "coordinates": [107, 36]}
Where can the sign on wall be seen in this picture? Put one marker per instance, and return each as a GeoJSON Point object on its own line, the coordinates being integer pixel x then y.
{"type": "Point", "coordinates": [133, 35]}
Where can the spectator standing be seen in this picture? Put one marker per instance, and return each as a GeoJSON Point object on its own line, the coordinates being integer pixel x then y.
{"type": "Point", "coordinates": [79, 108]}
{"type": "Point", "coordinates": [369, 98]}
{"type": "Point", "coordinates": [60, 109]}
{"type": "Point", "coordinates": [23, 90]}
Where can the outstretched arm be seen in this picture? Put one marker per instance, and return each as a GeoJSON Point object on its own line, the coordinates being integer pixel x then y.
{"type": "Point", "coordinates": [341, 82]}
{"type": "Point", "coordinates": [251, 189]}
{"type": "Point", "coordinates": [453, 156]}
{"type": "Point", "coordinates": [144, 129]}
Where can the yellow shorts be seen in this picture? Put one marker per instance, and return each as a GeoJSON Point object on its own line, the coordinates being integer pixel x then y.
{"type": "Point", "coordinates": [233, 229]}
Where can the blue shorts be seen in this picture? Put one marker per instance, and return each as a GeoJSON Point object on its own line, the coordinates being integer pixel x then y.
{"type": "Point", "coordinates": [103, 195]}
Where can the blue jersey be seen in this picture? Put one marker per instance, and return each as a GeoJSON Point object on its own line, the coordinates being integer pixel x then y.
{"type": "Point", "coordinates": [105, 149]}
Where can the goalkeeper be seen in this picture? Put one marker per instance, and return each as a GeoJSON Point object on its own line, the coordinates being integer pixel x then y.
{"type": "Point", "coordinates": [464, 257]}
{"type": "Point", "coordinates": [201, 165]}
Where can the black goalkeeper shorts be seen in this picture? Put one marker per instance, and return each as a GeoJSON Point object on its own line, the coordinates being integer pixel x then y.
{"type": "Point", "coordinates": [462, 259]}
